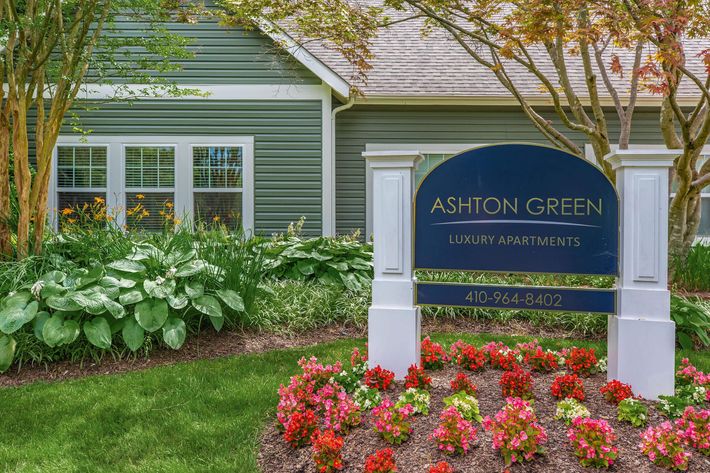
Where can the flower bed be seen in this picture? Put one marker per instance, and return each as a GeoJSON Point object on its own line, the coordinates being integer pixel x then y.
{"type": "Point", "coordinates": [434, 437]}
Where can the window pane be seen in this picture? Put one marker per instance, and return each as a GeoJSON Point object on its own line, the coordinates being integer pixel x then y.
{"type": "Point", "coordinates": [150, 166]}
{"type": "Point", "coordinates": [704, 229]}
{"type": "Point", "coordinates": [217, 167]}
{"type": "Point", "coordinates": [429, 163]}
{"type": "Point", "coordinates": [219, 207]}
{"type": "Point", "coordinates": [82, 209]}
{"type": "Point", "coordinates": [81, 166]}
{"type": "Point", "coordinates": [150, 212]}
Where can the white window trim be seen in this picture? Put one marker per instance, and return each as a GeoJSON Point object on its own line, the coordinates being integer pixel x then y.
{"type": "Point", "coordinates": [116, 190]}
{"type": "Point", "coordinates": [409, 148]}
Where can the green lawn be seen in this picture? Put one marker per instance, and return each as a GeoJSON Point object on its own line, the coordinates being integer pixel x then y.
{"type": "Point", "coordinates": [203, 416]}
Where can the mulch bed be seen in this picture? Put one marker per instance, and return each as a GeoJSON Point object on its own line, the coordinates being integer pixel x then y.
{"type": "Point", "coordinates": [418, 453]}
{"type": "Point", "coordinates": [209, 344]}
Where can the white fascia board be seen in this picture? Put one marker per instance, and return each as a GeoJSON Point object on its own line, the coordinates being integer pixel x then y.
{"type": "Point", "coordinates": [212, 92]}
{"type": "Point", "coordinates": [339, 85]}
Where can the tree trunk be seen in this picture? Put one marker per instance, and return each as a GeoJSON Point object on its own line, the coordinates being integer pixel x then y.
{"type": "Point", "coordinates": [5, 233]}
{"type": "Point", "coordinates": [683, 222]}
{"type": "Point", "coordinates": [23, 177]}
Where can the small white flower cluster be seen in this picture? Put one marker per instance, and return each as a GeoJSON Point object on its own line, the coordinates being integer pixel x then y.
{"type": "Point", "coordinates": [170, 273]}
{"type": "Point", "coordinates": [695, 393]}
{"type": "Point", "coordinates": [418, 398]}
{"type": "Point", "coordinates": [569, 409]}
{"type": "Point", "coordinates": [37, 289]}
{"type": "Point", "coordinates": [518, 355]}
{"type": "Point", "coordinates": [366, 397]}
{"type": "Point", "coordinates": [602, 365]}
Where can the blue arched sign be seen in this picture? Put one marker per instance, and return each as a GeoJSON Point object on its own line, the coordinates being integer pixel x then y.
{"type": "Point", "coordinates": [517, 208]}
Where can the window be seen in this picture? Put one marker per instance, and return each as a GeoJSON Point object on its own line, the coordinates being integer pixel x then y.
{"type": "Point", "coordinates": [148, 181]}
{"type": "Point", "coordinates": [81, 176]}
{"type": "Point", "coordinates": [217, 184]}
{"type": "Point", "coordinates": [150, 186]}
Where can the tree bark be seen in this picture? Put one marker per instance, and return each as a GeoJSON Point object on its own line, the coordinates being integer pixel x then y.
{"type": "Point", "coordinates": [23, 177]}
{"type": "Point", "coordinates": [5, 233]}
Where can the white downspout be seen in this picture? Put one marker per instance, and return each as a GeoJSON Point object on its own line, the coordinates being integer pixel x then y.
{"type": "Point", "coordinates": [334, 113]}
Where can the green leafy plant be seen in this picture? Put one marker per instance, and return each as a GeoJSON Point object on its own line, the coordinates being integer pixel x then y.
{"type": "Point", "coordinates": [569, 409]}
{"type": "Point", "coordinates": [336, 261]}
{"type": "Point", "coordinates": [673, 406]}
{"type": "Point", "coordinates": [633, 411]}
{"type": "Point", "coordinates": [692, 322]}
{"type": "Point", "coordinates": [466, 405]}
{"type": "Point", "coordinates": [419, 399]}
{"type": "Point", "coordinates": [692, 273]}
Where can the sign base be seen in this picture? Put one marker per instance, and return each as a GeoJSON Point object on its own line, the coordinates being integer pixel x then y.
{"type": "Point", "coordinates": [393, 336]}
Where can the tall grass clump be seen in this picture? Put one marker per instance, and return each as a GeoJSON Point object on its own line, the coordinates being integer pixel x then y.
{"type": "Point", "coordinates": [692, 273]}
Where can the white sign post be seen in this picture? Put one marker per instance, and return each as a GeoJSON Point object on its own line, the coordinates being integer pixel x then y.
{"type": "Point", "coordinates": [641, 336]}
{"type": "Point", "coordinates": [394, 322]}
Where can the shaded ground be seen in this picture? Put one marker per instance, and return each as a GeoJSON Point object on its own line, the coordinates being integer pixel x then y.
{"type": "Point", "coordinates": [418, 453]}
{"type": "Point", "coordinates": [210, 344]}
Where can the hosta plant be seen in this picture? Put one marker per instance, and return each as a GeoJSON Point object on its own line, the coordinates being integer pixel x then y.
{"type": "Point", "coordinates": [664, 447]}
{"type": "Point", "coordinates": [593, 442]}
{"type": "Point", "coordinates": [454, 435]}
{"type": "Point", "coordinates": [394, 424]}
{"type": "Point", "coordinates": [417, 378]}
{"type": "Point", "coordinates": [327, 448]}
{"type": "Point", "coordinates": [569, 409]}
{"type": "Point", "coordinates": [633, 411]}
{"type": "Point", "coordinates": [418, 399]}
{"type": "Point", "coordinates": [382, 461]}
{"type": "Point", "coordinates": [516, 431]}
{"type": "Point", "coordinates": [694, 429]}
{"type": "Point", "coordinates": [466, 405]}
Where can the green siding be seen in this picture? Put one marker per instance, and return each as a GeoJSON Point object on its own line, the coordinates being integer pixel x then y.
{"type": "Point", "coordinates": [287, 146]}
{"type": "Point", "coordinates": [380, 124]}
{"type": "Point", "coordinates": [224, 55]}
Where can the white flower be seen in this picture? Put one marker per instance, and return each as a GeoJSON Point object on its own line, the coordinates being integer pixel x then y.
{"type": "Point", "coordinates": [159, 281]}
{"type": "Point", "coordinates": [37, 289]}
{"type": "Point", "coordinates": [170, 273]}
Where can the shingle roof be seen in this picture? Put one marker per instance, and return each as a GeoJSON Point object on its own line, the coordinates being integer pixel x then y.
{"type": "Point", "coordinates": [406, 64]}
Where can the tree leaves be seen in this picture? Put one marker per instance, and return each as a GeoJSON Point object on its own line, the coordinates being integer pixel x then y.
{"type": "Point", "coordinates": [98, 332]}
{"type": "Point", "coordinates": [133, 334]}
{"type": "Point", "coordinates": [174, 332]}
{"type": "Point", "coordinates": [7, 352]}
{"type": "Point", "coordinates": [151, 314]}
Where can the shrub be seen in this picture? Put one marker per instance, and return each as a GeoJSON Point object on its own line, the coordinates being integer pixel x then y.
{"type": "Point", "coordinates": [471, 358]}
{"type": "Point", "coordinates": [466, 404]}
{"type": "Point", "coordinates": [392, 423]}
{"type": "Point", "coordinates": [379, 378]}
{"type": "Point", "coordinates": [569, 409]}
{"type": "Point", "coordinates": [615, 391]}
{"type": "Point", "coordinates": [633, 411]}
{"type": "Point", "coordinates": [419, 399]}
{"type": "Point", "coordinates": [366, 397]}
{"type": "Point", "coordinates": [441, 467]}
{"type": "Point", "coordinates": [516, 432]}
{"type": "Point", "coordinates": [694, 429]}
{"type": "Point", "coordinates": [517, 383]}
{"type": "Point", "coordinates": [541, 361]}
{"type": "Point", "coordinates": [462, 384]}
{"type": "Point", "coordinates": [568, 386]}
{"type": "Point", "coordinates": [664, 447]}
{"type": "Point", "coordinates": [339, 411]}
{"type": "Point", "coordinates": [454, 435]}
{"type": "Point", "coordinates": [433, 355]}
{"type": "Point", "coordinates": [382, 461]}
{"type": "Point", "coordinates": [593, 442]}
{"type": "Point", "coordinates": [581, 361]}
{"type": "Point", "coordinates": [416, 378]}
{"type": "Point", "coordinates": [327, 448]}
{"type": "Point", "coordinates": [336, 261]}
{"type": "Point", "coordinates": [300, 427]}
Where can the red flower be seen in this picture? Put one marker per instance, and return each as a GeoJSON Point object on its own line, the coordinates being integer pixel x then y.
{"type": "Point", "coordinates": [327, 448]}
{"type": "Point", "coordinates": [462, 383]}
{"type": "Point", "coordinates": [300, 427]}
{"type": "Point", "coordinates": [433, 355]}
{"type": "Point", "coordinates": [379, 378]}
{"type": "Point", "coordinates": [441, 467]}
{"type": "Point", "coordinates": [517, 383]}
{"type": "Point", "coordinates": [581, 361]}
{"type": "Point", "coordinates": [472, 358]}
{"type": "Point", "coordinates": [416, 378]}
{"type": "Point", "coordinates": [615, 391]}
{"type": "Point", "coordinates": [382, 461]}
{"type": "Point", "coordinates": [542, 361]}
{"type": "Point", "coordinates": [569, 385]}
